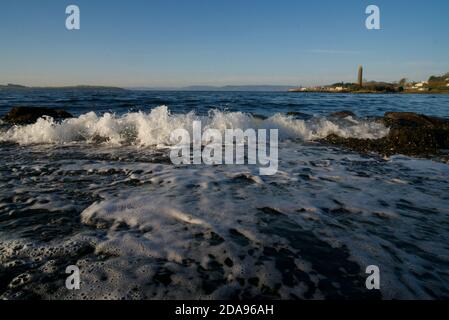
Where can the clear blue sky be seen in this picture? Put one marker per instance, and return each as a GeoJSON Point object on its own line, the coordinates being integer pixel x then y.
{"type": "Point", "coordinates": [218, 42]}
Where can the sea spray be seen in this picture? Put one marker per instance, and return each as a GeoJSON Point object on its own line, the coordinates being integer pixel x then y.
{"type": "Point", "coordinates": [155, 128]}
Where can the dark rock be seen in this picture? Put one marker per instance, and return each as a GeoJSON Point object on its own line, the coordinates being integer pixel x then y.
{"type": "Point", "coordinates": [343, 114]}
{"type": "Point", "coordinates": [299, 115]}
{"type": "Point", "coordinates": [411, 119]}
{"type": "Point", "coordinates": [259, 116]}
{"type": "Point", "coordinates": [360, 145]}
{"type": "Point", "coordinates": [410, 134]}
{"type": "Point", "coordinates": [28, 115]}
{"type": "Point", "coordinates": [417, 134]}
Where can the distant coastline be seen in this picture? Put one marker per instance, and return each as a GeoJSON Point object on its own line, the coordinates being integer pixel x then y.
{"type": "Point", "coordinates": [78, 87]}
{"type": "Point", "coordinates": [197, 88]}
{"type": "Point", "coordinates": [227, 88]}
{"type": "Point", "coordinates": [434, 85]}
{"type": "Point", "coordinates": [371, 92]}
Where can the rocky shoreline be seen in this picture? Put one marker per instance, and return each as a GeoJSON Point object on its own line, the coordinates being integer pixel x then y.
{"type": "Point", "coordinates": [29, 115]}
{"type": "Point", "coordinates": [410, 134]}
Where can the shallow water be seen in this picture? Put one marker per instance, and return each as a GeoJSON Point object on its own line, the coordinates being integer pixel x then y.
{"type": "Point", "coordinates": [140, 227]}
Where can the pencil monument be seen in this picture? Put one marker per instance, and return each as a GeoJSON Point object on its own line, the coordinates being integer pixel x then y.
{"type": "Point", "coordinates": [360, 78]}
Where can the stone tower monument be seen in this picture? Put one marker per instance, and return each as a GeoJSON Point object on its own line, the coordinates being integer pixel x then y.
{"type": "Point", "coordinates": [360, 78]}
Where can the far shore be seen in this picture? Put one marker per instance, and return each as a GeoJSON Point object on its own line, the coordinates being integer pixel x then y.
{"type": "Point", "coordinates": [264, 88]}
{"type": "Point", "coordinates": [371, 92]}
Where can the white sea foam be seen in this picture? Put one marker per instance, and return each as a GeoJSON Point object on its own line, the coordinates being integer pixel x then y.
{"type": "Point", "coordinates": [154, 128]}
{"type": "Point", "coordinates": [190, 201]}
{"type": "Point", "coordinates": [197, 231]}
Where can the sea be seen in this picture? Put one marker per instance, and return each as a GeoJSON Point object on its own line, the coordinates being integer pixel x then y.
{"type": "Point", "coordinates": [99, 192]}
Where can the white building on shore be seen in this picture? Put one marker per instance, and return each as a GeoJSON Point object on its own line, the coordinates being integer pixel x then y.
{"type": "Point", "coordinates": [420, 85]}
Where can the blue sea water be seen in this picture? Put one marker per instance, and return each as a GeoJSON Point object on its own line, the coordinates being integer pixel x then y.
{"type": "Point", "coordinates": [100, 192]}
{"type": "Point", "coordinates": [264, 103]}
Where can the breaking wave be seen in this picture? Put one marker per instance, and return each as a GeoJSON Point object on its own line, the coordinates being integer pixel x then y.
{"type": "Point", "coordinates": [154, 128]}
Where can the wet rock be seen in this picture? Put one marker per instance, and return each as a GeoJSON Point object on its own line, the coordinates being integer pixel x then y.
{"type": "Point", "coordinates": [380, 146]}
{"type": "Point", "coordinates": [259, 116]}
{"type": "Point", "coordinates": [411, 119]}
{"type": "Point", "coordinates": [410, 134]}
{"type": "Point", "coordinates": [416, 134]}
{"type": "Point", "coordinates": [299, 115]}
{"type": "Point", "coordinates": [28, 115]}
{"type": "Point", "coordinates": [343, 114]}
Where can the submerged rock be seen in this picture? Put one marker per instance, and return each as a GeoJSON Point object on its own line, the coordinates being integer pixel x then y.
{"type": "Point", "coordinates": [343, 114]}
{"type": "Point", "coordinates": [411, 119]}
{"type": "Point", "coordinates": [410, 134]}
{"type": "Point", "coordinates": [259, 116]}
{"type": "Point", "coordinates": [28, 115]}
{"type": "Point", "coordinates": [299, 115]}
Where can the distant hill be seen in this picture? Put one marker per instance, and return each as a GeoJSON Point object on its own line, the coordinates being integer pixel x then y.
{"type": "Point", "coordinates": [439, 82]}
{"type": "Point", "coordinates": [253, 88]}
{"type": "Point", "coordinates": [80, 87]}
{"type": "Point", "coordinates": [440, 79]}
{"type": "Point", "coordinates": [12, 86]}
{"type": "Point", "coordinates": [256, 88]}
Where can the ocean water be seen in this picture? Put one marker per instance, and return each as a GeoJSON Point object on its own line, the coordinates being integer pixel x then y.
{"type": "Point", "coordinates": [99, 191]}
